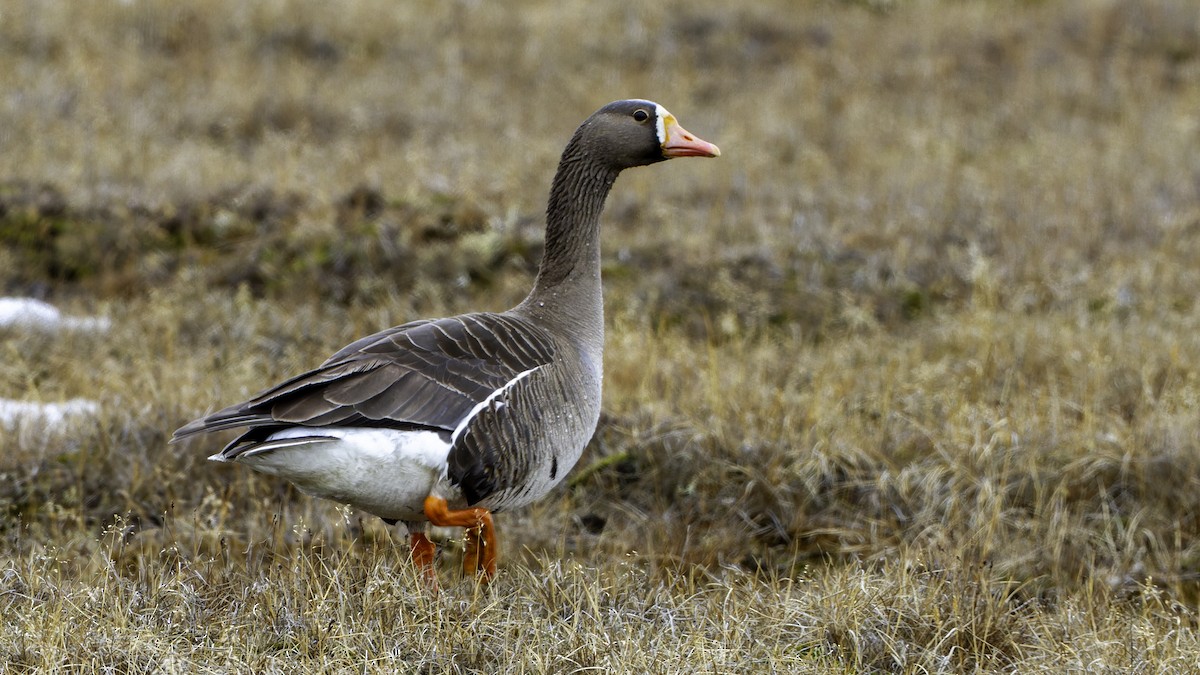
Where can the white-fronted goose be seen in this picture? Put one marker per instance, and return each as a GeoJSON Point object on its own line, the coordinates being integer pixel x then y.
{"type": "Point", "coordinates": [448, 420]}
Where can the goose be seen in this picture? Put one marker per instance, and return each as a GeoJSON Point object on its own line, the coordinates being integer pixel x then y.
{"type": "Point", "coordinates": [446, 421]}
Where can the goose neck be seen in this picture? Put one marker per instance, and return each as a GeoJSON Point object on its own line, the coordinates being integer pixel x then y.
{"type": "Point", "coordinates": [567, 287]}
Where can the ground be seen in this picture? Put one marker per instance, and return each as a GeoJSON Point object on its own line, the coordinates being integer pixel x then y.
{"type": "Point", "coordinates": [905, 381]}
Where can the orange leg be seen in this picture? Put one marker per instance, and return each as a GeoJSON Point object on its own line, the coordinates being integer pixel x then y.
{"type": "Point", "coordinates": [423, 552]}
{"type": "Point", "coordinates": [480, 556]}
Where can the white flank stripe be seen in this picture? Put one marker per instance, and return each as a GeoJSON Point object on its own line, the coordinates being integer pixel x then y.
{"type": "Point", "coordinates": [279, 443]}
{"type": "Point", "coordinates": [483, 404]}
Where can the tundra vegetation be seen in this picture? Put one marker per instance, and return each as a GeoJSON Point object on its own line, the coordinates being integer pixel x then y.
{"type": "Point", "coordinates": [906, 381]}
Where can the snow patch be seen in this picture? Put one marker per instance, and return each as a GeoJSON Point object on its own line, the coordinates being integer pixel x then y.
{"type": "Point", "coordinates": [30, 314]}
{"type": "Point", "coordinates": [13, 412]}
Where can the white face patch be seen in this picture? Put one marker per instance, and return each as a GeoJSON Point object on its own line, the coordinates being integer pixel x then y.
{"type": "Point", "coordinates": [661, 123]}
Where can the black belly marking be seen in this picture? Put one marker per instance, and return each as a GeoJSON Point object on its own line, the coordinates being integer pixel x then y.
{"type": "Point", "coordinates": [553, 466]}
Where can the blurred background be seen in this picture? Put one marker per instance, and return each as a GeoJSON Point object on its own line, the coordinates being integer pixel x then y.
{"type": "Point", "coordinates": [888, 152]}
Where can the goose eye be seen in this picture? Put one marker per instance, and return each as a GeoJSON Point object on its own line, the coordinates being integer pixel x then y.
{"type": "Point", "coordinates": [641, 115]}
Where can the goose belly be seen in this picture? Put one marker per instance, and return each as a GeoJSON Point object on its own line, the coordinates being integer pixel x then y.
{"type": "Point", "coordinates": [386, 472]}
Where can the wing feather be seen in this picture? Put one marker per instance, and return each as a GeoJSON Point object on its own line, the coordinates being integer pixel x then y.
{"type": "Point", "coordinates": [424, 374]}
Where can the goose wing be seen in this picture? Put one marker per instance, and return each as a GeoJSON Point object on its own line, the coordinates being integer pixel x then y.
{"type": "Point", "coordinates": [423, 375]}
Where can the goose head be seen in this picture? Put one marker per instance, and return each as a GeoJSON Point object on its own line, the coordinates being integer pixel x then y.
{"type": "Point", "coordinates": [637, 132]}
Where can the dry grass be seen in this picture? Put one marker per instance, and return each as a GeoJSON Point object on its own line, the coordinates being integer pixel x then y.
{"type": "Point", "coordinates": [905, 382]}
